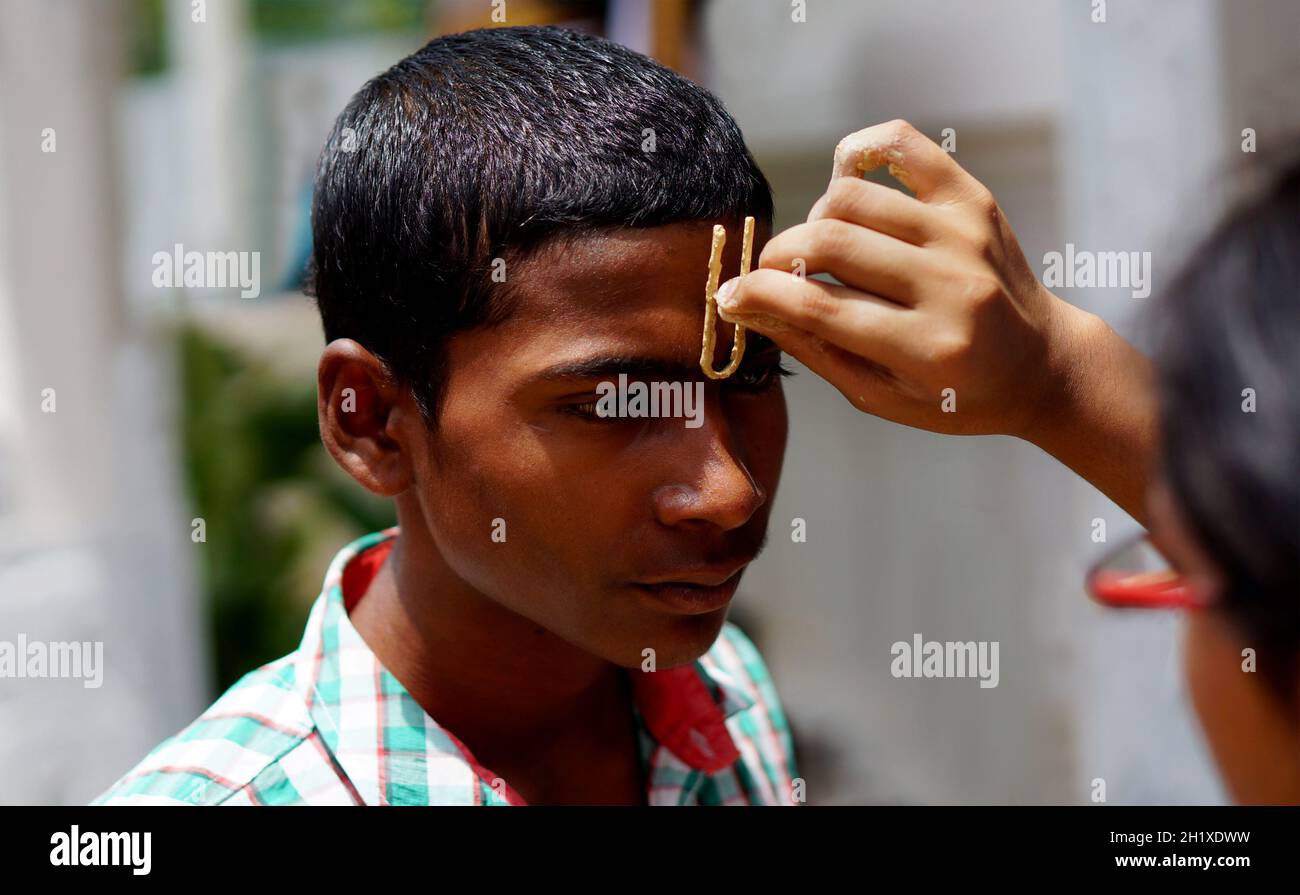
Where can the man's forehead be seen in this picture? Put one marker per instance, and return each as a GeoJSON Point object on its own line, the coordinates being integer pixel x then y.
{"type": "Point", "coordinates": [635, 297]}
{"type": "Point", "coordinates": [620, 271]}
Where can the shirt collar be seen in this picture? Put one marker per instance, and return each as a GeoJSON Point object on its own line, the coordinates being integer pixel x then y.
{"type": "Point", "coordinates": [392, 752]}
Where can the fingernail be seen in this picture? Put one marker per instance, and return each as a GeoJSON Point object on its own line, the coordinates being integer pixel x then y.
{"type": "Point", "coordinates": [726, 292]}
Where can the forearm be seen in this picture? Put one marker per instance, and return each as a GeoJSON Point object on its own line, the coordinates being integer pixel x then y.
{"type": "Point", "coordinates": [1099, 414]}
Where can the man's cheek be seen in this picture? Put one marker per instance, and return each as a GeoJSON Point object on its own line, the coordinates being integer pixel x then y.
{"type": "Point", "coordinates": [524, 544]}
{"type": "Point", "coordinates": [477, 524]}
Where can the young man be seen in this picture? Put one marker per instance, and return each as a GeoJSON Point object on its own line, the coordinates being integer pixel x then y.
{"type": "Point", "coordinates": [504, 221]}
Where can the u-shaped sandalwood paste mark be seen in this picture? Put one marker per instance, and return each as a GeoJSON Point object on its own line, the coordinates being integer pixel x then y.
{"type": "Point", "coordinates": [711, 302]}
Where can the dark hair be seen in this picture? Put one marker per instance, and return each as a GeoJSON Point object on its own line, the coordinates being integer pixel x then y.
{"type": "Point", "coordinates": [1231, 322]}
{"type": "Point", "coordinates": [486, 145]}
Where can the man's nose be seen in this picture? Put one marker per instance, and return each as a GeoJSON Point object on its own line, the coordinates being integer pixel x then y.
{"type": "Point", "coordinates": [715, 486]}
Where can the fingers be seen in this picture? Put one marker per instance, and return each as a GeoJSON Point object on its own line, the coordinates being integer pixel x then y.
{"type": "Point", "coordinates": [913, 159]}
{"type": "Point", "coordinates": [778, 304]}
{"type": "Point", "coordinates": [879, 208]}
{"type": "Point", "coordinates": [856, 256]}
{"type": "Point", "coordinates": [866, 384]}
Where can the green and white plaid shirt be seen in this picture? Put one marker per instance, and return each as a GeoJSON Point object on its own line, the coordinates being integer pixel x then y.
{"type": "Point", "coordinates": [329, 725]}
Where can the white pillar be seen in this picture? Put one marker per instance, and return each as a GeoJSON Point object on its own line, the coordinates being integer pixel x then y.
{"type": "Point", "coordinates": [93, 532]}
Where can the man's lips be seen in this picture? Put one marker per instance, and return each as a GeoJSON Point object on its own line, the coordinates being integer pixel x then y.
{"type": "Point", "coordinates": [696, 590]}
{"type": "Point", "coordinates": [711, 575]}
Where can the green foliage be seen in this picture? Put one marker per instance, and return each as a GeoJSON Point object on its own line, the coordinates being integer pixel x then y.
{"type": "Point", "coordinates": [275, 505]}
{"type": "Point", "coordinates": [293, 20]}
{"type": "Point", "coordinates": [147, 36]}
{"type": "Point", "coordinates": [284, 21]}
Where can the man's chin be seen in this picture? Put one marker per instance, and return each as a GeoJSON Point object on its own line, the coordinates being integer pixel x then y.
{"type": "Point", "coordinates": [675, 640]}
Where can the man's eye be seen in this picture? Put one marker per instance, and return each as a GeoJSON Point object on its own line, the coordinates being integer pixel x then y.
{"type": "Point", "coordinates": [584, 411]}
{"type": "Point", "coordinates": [759, 377]}
{"type": "Point", "coordinates": [750, 379]}
{"type": "Point", "coordinates": [587, 412]}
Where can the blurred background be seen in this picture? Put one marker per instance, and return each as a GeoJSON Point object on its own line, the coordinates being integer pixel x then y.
{"type": "Point", "coordinates": [200, 123]}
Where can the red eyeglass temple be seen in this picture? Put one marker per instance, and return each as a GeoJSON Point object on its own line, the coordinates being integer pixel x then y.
{"type": "Point", "coordinates": [1142, 590]}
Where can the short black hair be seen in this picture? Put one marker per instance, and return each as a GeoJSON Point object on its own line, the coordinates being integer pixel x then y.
{"type": "Point", "coordinates": [486, 145]}
{"type": "Point", "coordinates": [1231, 322]}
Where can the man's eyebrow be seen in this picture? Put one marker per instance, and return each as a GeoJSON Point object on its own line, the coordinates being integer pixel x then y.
{"type": "Point", "coordinates": [606, 366]}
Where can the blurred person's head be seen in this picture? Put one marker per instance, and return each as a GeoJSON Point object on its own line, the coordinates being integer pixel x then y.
{"type": "Point", "coordinates": [1226, 507]}
{"type": "Point", "coordinates": [502, 221]}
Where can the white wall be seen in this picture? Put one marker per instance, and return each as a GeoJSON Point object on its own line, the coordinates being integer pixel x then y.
{"type": "Point", "coordinates": [93, 535]}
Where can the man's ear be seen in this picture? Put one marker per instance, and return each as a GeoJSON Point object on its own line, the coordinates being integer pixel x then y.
{"type": "Point", "coordinates": [361, 408]}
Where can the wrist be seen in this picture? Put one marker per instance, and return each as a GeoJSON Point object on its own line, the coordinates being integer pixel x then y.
{"type": "Point", "coordinates": [1070, 339]}
{"type": "Point", "coordinates": [1098, 411]}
